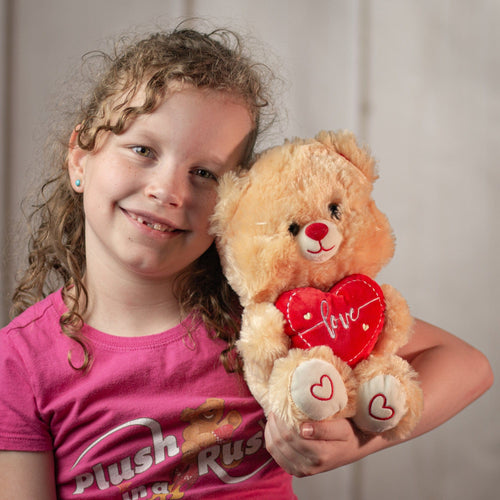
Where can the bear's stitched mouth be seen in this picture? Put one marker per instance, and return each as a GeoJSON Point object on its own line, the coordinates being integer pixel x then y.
{"type": "Point", "coordinates": [321, 249]}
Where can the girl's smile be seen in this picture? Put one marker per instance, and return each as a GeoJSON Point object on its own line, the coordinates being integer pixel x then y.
{"type": "Point", "coordinates": [151, 222]}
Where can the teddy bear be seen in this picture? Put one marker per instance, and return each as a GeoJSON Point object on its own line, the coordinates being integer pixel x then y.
{"type": "Point", "coordinates": [301, 241]}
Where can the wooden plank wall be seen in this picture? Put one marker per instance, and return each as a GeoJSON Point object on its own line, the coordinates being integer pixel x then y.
{"type": "Point", "coordinates": [419, 81]}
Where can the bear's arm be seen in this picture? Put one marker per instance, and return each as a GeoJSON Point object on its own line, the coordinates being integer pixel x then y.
{"type": "Point", "coordinates": [398, 322]}
{"type": "Point", "coordinates": [262, 341]}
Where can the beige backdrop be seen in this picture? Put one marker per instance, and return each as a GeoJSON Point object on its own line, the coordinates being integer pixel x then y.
{"type": "Point", "coordinates": [420, 82]}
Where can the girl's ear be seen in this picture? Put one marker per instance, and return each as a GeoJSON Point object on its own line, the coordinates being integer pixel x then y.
{"type": "Point", "coordinates": [76, 162]}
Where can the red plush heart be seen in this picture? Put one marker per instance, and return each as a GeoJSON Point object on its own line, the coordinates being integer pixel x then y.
{"type": "Point", "coordinates": [348, 318]}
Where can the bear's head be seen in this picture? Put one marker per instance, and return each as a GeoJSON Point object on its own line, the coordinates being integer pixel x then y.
{"type": "Point", "coordinates": [303, 215]}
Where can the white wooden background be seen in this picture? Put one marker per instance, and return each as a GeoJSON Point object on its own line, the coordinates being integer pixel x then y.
{"type": "Point", "coordinates": [419, 80]}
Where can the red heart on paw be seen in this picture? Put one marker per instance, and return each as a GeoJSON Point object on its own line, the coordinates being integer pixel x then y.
{"type": "Point", "coordinates": [324, 390]}
{"type": "Point", "coordinates": [348, 318]}
{"type": "Point", "coordinates": [379, 409]}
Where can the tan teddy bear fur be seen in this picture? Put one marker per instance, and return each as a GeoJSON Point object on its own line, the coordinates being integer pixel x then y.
{"type": "Point", "coordinates": [259, 226]}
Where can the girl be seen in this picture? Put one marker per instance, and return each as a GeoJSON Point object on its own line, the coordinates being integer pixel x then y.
{"type": "Point", "coordinates": [116, 376]}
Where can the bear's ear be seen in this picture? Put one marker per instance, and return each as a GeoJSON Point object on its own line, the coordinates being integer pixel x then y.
{"type": "Point", "coordinates": [229, 191]}
{"type": "Point", "coordinates": [345, 144]}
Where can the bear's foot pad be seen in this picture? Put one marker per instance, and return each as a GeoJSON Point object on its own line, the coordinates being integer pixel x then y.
{"type": "Point", "coordinates": [317, 389]}
{"type": "Point", "coordinates": [381, 404]}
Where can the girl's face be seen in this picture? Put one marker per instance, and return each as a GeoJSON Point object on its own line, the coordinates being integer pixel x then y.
{"type": "Point", "coordinates": [149, 192]}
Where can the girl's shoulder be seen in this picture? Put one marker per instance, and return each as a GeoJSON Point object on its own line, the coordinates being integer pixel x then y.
{"type": "Point", "coordinates": [38, 318]}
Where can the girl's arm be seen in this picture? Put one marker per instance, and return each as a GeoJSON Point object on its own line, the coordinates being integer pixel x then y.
{"type": "Point", "coordinates": [27, 475]}
{"type": "Point", "coordinates": [452, 375]}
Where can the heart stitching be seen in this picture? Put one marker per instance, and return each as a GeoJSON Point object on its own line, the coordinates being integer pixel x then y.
{"type": "Point", "coordinates": [320, 390]}
{"type": "Point", "coordinates": [379, 409]}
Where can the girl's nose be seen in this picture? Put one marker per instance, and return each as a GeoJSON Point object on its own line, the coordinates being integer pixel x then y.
{"type": "Point", "coordinates": [167, 187]}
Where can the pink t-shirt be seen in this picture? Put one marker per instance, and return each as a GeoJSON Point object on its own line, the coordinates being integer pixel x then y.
{"type": "Point", "coordinates": [156, 417]}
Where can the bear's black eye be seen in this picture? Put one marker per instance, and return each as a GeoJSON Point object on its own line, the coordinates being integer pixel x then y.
{"type": "Point", "coordinates": [294, 228]}
{"type": "Point", "coordinates": [334, 210]}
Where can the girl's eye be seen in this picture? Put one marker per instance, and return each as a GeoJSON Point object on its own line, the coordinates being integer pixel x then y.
{"type": "Point", "coordinates": [204, 174]}
{"type": "Point", "coordinates": [143, 151]}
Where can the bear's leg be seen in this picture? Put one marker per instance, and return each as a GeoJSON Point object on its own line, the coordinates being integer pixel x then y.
{"type": "Point", "coordinates": [311, 385]}
{"type": "Point", "coordinates": [317, 389]}
{"type": "Point", "coordinates": [389, 397]}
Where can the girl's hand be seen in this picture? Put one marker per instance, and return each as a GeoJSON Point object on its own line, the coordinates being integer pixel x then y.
{"type": "Point", "coordinates": [319, 447]}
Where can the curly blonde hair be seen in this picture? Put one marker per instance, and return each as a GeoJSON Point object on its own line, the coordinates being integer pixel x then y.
{"type": "Point", "coordinates": [214, 60]}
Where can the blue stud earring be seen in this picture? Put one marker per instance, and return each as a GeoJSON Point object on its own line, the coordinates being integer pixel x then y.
{"type": "Point", "coordinates": [78, 183]}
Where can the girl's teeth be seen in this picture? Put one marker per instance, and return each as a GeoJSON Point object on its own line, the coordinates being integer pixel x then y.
{"type": "Point", "coordinates": [157, 226]}
{"type": "Point", "coordinates": [153, 225]}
